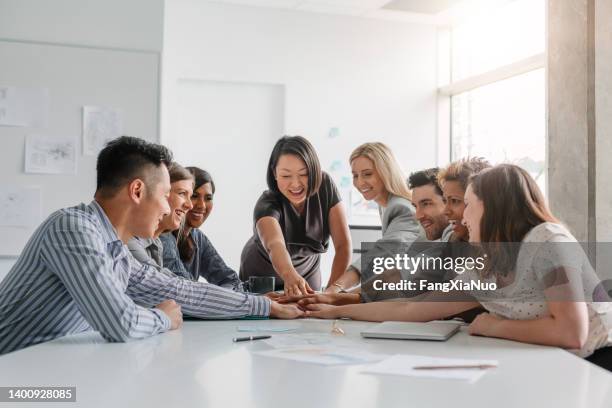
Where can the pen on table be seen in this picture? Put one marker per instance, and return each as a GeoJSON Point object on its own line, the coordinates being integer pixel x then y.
{"type": "Point", "coordinates": [250, 338]}
{"type": "Point", "coordinates": [440, 367]}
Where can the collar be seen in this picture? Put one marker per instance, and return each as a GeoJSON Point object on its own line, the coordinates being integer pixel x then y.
{"type": "Point", "coordinates": [108, 230]}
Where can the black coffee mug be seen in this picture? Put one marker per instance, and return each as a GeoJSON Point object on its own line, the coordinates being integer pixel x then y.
{"type": "Point", "coordinates": [260, 284]}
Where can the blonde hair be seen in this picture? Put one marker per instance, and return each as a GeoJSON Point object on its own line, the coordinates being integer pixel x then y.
{"type": "Point", "coordinates": [387, 167]}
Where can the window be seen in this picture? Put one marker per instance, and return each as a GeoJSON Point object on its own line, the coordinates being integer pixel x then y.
{"type": "Point", "coordinates": [504, 35]}
{"type": "Point", "coordinates": [504, 122]}
{"type": "Point", "coordinates": [497, 87]}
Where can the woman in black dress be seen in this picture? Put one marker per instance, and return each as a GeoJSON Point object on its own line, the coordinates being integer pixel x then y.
{"type": "Point", "coordinates": [293, 221]}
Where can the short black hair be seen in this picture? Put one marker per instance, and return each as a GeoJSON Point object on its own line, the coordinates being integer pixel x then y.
{"type": "Point", "coordinates": [125, 159]}
{"type": "Point", "coordinates": [298, 146]}
{"type": "Point", "coordinates": [424, 178]}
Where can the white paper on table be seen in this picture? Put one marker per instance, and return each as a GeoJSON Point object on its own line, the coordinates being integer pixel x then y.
{"type": "Point", "coordinates": [100, 125]}
{"type": "Point", "coordinates": [50, 155]}
{"type": "Point", "coordinates": [403, 364]}
{"type": "Point", "coordinates": [19, 206]}
{"type": "Point", "coordinates": [24, 106]}
{"type": "Point", "coordinates": [311, 339]}
{"type": "Point", "coordinates": [324, 355]}
{"type": "Point", "coordinates": [272, 329]}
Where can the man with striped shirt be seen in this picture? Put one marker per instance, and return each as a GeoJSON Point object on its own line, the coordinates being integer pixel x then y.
{"type": "Point", "coordinates": [76, 273]}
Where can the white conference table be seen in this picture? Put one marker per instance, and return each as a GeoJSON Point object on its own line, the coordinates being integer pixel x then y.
{"type": "Point", "coordinates": [200, 366]}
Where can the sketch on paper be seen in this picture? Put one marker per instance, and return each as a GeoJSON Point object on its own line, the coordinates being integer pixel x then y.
{"type": "Point", "coordinates": [49, 155]}
{"type": "Point", "coordinates": [6, 108]}
{"type": "Point", "coordinates": [19, 206]}
{"type": "Point", "coordinates": [23, 106]}
{"type": "Point", "coordinates": [100, 125]}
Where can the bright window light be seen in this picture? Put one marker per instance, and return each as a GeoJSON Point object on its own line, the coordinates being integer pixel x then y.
{"type": "Point", "coordinates": [503, 122]}
{"type": "Point", "coordinates": [508, 34]}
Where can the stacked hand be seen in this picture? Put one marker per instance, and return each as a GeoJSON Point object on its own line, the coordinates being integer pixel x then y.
{"type": "Point", "coordinates": [322, 311]}
{"type": "Point", "coordinates": [336, 299]}
{"type": "Point", "coordinates": [295, 285]}
{"type": "Point", "coordinates": [287, 311]}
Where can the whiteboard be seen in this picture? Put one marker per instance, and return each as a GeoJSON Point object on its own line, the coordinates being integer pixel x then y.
{"type": "Point", "coordinates": [75, 76]}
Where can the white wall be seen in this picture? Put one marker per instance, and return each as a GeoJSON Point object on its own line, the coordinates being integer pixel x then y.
{"type": "Point", "coordinates": [372, 79]}
{"type": "Point", "coordinates": [5, 265]}
{"type": "Point", "coordinates": [210, 108]}
{"type": "Point", "coordinates": [134, 25]}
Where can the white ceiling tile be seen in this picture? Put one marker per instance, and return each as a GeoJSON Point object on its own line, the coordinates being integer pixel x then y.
{"type": "Point", "coordinates": [404, 16]}
{"type": "Point", "coordinates": [373, 8]}
{"type": "Point", "coordinates": [364, 4]}
{"type": "Point", "coordinates": [331, 9]}
{"type": "Point", "coordinates": [422, 6]}
{"type": "Point", "coordinates": [284, 4]}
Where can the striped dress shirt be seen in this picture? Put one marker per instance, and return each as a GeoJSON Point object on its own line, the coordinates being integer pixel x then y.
{"type": "Point", "coordinates": [75, 274]}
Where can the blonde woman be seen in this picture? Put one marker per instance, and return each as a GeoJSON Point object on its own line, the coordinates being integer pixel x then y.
{"type": "Point", "coordinates": [378, 177]}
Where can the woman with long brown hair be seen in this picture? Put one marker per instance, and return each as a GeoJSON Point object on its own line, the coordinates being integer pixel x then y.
{"type": "Point", "coordinates": [188, 249]}
{"type": "Point", "coordinates": [546, 291]}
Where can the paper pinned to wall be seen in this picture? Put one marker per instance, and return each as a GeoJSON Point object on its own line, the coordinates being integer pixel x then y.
{"type": "Point", "coordinates": [100, 125]}
{"type": "Point", "coordinates": [19, 206]}
{"type": "Point", "coordinates": [50, 155]}
{"type": "Point", "coordinates": [24, 106]}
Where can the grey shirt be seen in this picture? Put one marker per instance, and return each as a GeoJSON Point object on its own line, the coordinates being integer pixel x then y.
{"type": "Point", "coordinates": [399, 225]}
{"type": "Point", "coordinates": [146, 250]}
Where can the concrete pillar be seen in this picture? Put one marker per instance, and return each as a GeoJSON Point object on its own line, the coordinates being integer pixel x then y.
{"type": "Point", "coordinates": [603, 118]}
{"type": "Point", "coordinates": [571, 130]}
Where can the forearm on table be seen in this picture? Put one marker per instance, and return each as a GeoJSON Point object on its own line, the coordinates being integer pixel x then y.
{"type": "Point", "coordinates": [548, 331]}
{"type": "Point", "coordinates": [150, 287]}
{"type": "Point", "coordinates": [409, 311]}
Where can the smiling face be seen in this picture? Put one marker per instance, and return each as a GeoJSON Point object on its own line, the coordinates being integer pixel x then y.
{"type": "Point", "coordinates": [180, 202]}
{"type": "Point", "coordinates": [472, 215]}
{"type": "Point", "coordinates": [453, 195]}
{"type": "Point", "coordinates": [202, 200]}
{"type": "Point", "coordinates": [367, 180]}
{"type": "Point", "coordinates": [291, 176]}
{"type": "Point", "coordinates": [429, 210]}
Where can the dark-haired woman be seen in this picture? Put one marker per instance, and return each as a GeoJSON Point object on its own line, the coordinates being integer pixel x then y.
{"type": "Point", "coordinates": [188, 251]}
{"type": "Point", "coordinates": [546, 294]}
{"type": "Point", "coordinates": [294, 220]}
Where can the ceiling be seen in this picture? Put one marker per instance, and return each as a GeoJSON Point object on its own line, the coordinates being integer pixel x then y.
{"type": "Point", "coordinates": [437, 12]}
{"type": "Point", "coordinates": [421, 6]}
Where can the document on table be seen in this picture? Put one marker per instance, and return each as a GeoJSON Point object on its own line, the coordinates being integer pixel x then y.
{"type": "Point", "coordinates": [311, 339]}
{"type": "Point", "coordinates": [272, 329]}
{"type": "Point", "coordinates": [324, 355]}
{"type": "Point", "coordinates": [404, 364]}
